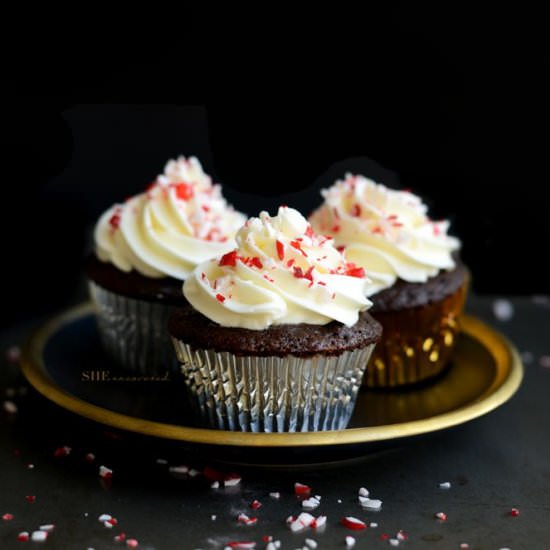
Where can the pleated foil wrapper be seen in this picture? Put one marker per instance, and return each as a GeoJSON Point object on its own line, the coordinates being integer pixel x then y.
{"type": "Point", "coordinates": [417, 343]}
{"type": "Point", "coordinates": [272, 394]}
{"type": "Point", "coordinates": [133, 332]}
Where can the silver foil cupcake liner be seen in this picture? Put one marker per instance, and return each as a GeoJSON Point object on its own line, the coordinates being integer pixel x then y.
{"type": "Point", "coordinates": [133, 332]}
{"type": "Point", "coordinates": [272, 394]}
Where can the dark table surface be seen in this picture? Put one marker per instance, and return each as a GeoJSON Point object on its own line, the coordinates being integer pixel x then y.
{"type": "Point", "coordinates": [495, 463]}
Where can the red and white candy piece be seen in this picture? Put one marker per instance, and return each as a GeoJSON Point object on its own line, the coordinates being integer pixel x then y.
{"type": "Point", "coordinates": [276, 495]}
{"type": "Point", "coordinates": [215, 485]}
{"type": "Point", "coordinates": [132, 543]}
{"type": "Point", "coordinates": [442, 516]}
{"type": "Point", "coordinates": [373, 525]}
{"type": "Point", "coordinates": [49, 527]}
{"type": "Point", "coordinates": [464, 546]}
{"type": "Point", "coordinates": [371, 504]}
{"type": "Point", "coordinates": [240, 545]}
{"type": "Point", "coordinates": [445, 485]}
{"type": "Point", "coordinates": [302, 490]}
{"type": "Point", "coordinates": [105, 473]}
{"type": "Point", "coordinates": [23, 536]}
{"type": "Point", "coordinates": [7, 517]}
{"type": "Point", "coordinates": [30, 498]}
{"type": "Point", "coordinates": [245, 520]}
{"type": "Point", "coordinates": [363, 492]}
{"type": "Point", "coordinates": [62, 451]}
{"type": "Point", "coordinates": [303, 521]}
{"type": "Point", "coordinates": [183, 469]}
{"type": "Point", "coordinates": [394, 542]}
{"type": "Point", "coordinates": [311, 543]}
{"type": "Point", "coordinates": [401, 535]}
{"type": "Point", "coordinates": [39, 536]}
{"type": "Point", "coordinates": [231, 480]}
{"type": "Point", "coordinates": [120, 538]}
{"type": "Point", "coordinates": [514, 512]}
{"type": "Point", "coordinates": [255, 505]}
{"type": "Point", "coordinates": [350, 542]}
{"type": "Point", "coordinates": [353, 523]}
{"type": "Point", "coordinates": [104, 517]}
{"type": "Point", "coordinates": [273, 545]}
{"type": "Point", "coordinates": [319, 522]}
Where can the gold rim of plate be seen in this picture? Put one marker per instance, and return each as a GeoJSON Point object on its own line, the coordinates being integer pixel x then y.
{"type": "Point", "coordinates": [508, 376]}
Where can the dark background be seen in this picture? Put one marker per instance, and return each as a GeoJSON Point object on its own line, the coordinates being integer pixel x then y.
{"type": "Point", "coordinates": [444, 102]}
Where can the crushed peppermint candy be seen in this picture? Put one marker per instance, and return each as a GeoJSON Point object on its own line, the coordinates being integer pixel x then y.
{"type": "Point", "coordinates": [353, 523]}
{"type": "Point", "coordinates": [241, 545]}
{"type": "Point", "coordinates": [245, 520]}
{"type": "Point", "coordinates": [514, 512]}
{"type": "Point", "coordinates": [363, 492]}
{"type": "Point", "coordinates": [10, 407]}
{"type": "Point", "coordinates": [311, 543]}
{"type": "Point", "coordinates": [394, 542]}
{"type": "Point", "coordinates": [231, 480]}
{"type": "Point", "coordinates": [132, 543]}
{"type": "Point", "coordinates": [371, 504]}
{"type": "Point", "coordinates": [442, 516]}
{"type": "Point", "coordinates": [47, 527]}
{"type": "Point", "coordinates": [255, 505]}
{"type": "Point", "coordinates": [401, 535]}
{"type": "Point", "coordinates": [503, 309]}
{"type": "Point", "coordinates": [90, 457]}
{"type": "Point", "coordinates": [62, 451]}
{"type": "Point", "coordinates": [39, 536]}
{"type": "Point", "coordinates": [311, 503]}
{"type": "Point", "coordinates": [373, 525]}
{"type": "Point", "coordinates": [276, 495]}
{"type": "Point", "coordinates": [23, 536]}
{"type": "Point", "coordinates": [445, 485]}
{"type": "Point", "coordinates": [30, 498]}
{"type": "Point", "coordinates": [350, 541]}
{"type": "Point", "coordinates": [302, 490]}
{"type": "Point", "coordinates": [104, 517]}
{"type": "Point", "coordinates": [120, 538]}
{"type": "Point", "coordinates": [215, 485]}
{"type": "Point", "coordinates": [179, 469]}
{"type": "Point", "coordinates": [105, 473]}
{"type": "Point", "coordinates": [7, 517]}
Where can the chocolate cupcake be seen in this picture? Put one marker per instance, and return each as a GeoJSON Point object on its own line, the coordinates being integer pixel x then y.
{"type": "Point", "coordinates": [278, 336]}
{"type": "Point", "coordinates": [419, 284]}
{"type": "Point", "coordinates": [144, 250]}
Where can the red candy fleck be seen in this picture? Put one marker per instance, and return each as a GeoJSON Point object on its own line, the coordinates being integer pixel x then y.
{"type": "Point", "coordinates": [114, 220]}
{"type": "Point", "coordinates": [220, 298]}
{"type": "Point", "coordinates": [514, 512]}
{"type": "Point", "coordinates": [255, 504]}
{"type": "Point", "coordinates": [353, 523]}
{"type": "Point", "coordinates": [62, 451]}
{"type": "Point", "coordinates": [290, 262]}
{"type": "Point", "coordinates": [112, 521]}
{"type": "Point", "coordinates": [302, 490]}
{"type": "Point", "coordinates": [280, 250]}
{"type": "Point", "coordinates": [241, 545]}
{"type": "Point", "coordinates": [105, 473]}
{"type": "Point", "coordinates": [120, 538]}
{"type": "Point", "coordinates": [132, 543]}
{"type": "Point", "coordinates": [356, 210]}
{"type": "Point", "coordinates": [229, 259]}
{"type": "Point", "coordinates": [255, 261]}
{"type": "Point", "coordinates": [184, 191]}
{"type": "Point", "coordinates": [267, 538]}
{"type": "Point", "coordinates": [353, 270]}
{"type": "Point", "coordinates": [441, 516]}
{"type": "Point", "coordinates": [205, 208]}
{"type": "Point", "coordinates": [23, 536]}
{"type": "Point", "coordinates": [296, 244]}
{"type": "Point", "coordinates": [335, 228]}
{"type": "Point", "coordinates": [7, 517]}
{"type": "Point", "coordinates": [30, 498]}
{"type": "Point", "coordinates": [384, 536]}
{"type": "Point", "coordinates": [298, 273]}
{"type": "Point", "coordinates": [309, 232]}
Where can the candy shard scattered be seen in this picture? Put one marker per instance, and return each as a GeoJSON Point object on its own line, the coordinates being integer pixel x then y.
{"type": "Point", "coordinates": [161, 461]}
{"type": "Point", "coordinates": [401, 535]}
{"type": "Point", "coordinates": [105, 473]}
{"type": "Point", "coordinates": [302, 490]}
{"type": "Point", "coordinates": [179, 469]}
{"type": "Point", "coordinates": [213, 517]}
{"type": "Point", "coordinates": [350, 541]}
{"type": "Point", "coordinates": [90, 457]}
{"type": "Point", "coordinates": [245, 520]}
{"type": "Point", "coordinates": [372, 504]}
{"type": "Point", "coordinates": [301, 522]}
{"type": "Point", "coordinates": [104, 517]}
{"type": "Point", "coordinates": [319, 522]}
{"type": "Point", "coordinates": [514, 512]}
{"type": "Point", "coordinates": [120, 538]}
{"type": "Point", "coordinates": [353, 523]}
{"type": "Point", "coordinates": [311, 503]}
{"type": "Point", "coordinates": [445, 485]}
{"type": "Point", "coordinates": [30, 466]}
{"type": "Point", "coordinates": [10, 407]}
{"type": "Point", "coordinates": [311, 543]}
{"type": "Point", "coordinates": [7, 517]}
{"type": "Point", "coordinates": [363, 492]}
{"type": "Point", "coordinates": [441, 516]}
{"type": "Point", "coordinates": [241, 545]}
{"type": "Point", "coordinates": [275, 495]}
{"type": "Point", "coordinates": [108, 524]}
{"type": "Point", "coordinates": [39, 536]}
{"type": "Point", "coordinates": [273, 545]}
{"type": "Point", "coordinates": [132, 543]}
{"type": "Point", "coordinates": [215, 485]}
{"type": "Point", "coordinates": [231, 480]}
{"type": "Point", "coordinates": [464, 546]}
{"type": "Point", "coordinates": [23, 536]}
{"type": "Point", "coordinates": [47, 527]}
{"type": "Point", "coordinates": [255, 505]}
{"type": "Point", "coordinates": [62, 451]}
{"type": "Point", "coordinates": [393, 542]}
{"type": "Point", "coordinates": [30, 498]}
{"type": "Point", "coordinates": [503, 309]}
{"type": "Point", "coordinates": [373, 525]}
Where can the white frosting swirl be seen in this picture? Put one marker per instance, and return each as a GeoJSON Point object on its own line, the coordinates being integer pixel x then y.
{"type": "Point", "coordinates": [179, 222]}
{"type": "Point", "coordinates": [384, 230]}
{"type": "Point", "coordinates": [280, 272]}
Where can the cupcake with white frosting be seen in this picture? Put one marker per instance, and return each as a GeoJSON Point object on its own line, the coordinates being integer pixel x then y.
{"type": "Point", "coordinates": [144, 249]}
{"type": "Point", "coordinates": [419, 283]}
{"type": "Point", "coordinates": [278, 335]}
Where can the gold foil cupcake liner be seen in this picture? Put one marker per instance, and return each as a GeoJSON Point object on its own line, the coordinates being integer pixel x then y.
{"type": "Point", "coordinates": [272, 394]}
{"type": "Point", "coordinates": [133, 332]}
{"type": "Point", "coordinates": [416, 344]}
